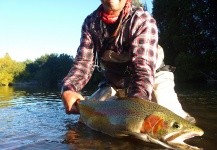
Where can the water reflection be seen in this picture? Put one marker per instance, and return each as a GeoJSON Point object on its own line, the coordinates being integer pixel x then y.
{"type": "Point", "coordinates": [82, 137]}
{"type": "Point", "coordinates": [34, 118]}
{"type": "Point", "coordinates": [6, 94]}
{"type": "Point", "coordinates": [201, 102]}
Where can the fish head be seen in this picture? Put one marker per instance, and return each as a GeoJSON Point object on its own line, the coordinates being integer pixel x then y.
{"type": "Point", "coordinates": [169, 130]}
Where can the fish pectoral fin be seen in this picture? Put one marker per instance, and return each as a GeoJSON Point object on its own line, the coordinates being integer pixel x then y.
{"type": "Point", "coordinates": [146, 138]}
{"type": "Point", "coordinates": [136, 135]}
{"type": "Point", "coordinates": [153, 140]}
{"type": "Point", "coordinates": [121, 135]}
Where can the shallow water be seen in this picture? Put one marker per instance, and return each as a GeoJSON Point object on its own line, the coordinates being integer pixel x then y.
{"type": "Point", "coordinates": [33, 118]}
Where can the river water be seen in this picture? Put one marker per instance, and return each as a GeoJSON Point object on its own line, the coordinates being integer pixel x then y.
{"type": "Point", "coordinates": [33, 118]}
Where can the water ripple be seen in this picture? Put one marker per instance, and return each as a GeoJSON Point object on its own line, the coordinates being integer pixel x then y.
{"type": "Point", "coordinates": [35, 119]}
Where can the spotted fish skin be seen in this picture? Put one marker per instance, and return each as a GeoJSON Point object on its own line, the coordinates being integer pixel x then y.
{"type": "Point", "coordinates": [138, 118]}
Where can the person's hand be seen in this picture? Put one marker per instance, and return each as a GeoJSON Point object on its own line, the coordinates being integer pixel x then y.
{"type": "Point", "coordinates": [70, 100]}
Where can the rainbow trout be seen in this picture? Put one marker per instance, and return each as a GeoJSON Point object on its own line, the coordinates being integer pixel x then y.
{"type": "Point", "coordinates": [140, 119]}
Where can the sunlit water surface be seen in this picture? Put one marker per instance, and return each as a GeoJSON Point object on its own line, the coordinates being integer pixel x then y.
{"type": "Point", "coordinates": [33, 118]}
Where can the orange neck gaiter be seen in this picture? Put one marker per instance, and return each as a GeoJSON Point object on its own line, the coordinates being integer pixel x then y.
{"type": "Point", "coordinates": [111, 19]}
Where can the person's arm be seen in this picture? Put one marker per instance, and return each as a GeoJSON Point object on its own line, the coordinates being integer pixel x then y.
{"type": "Point", "coordinates": [80, 73]}
{"type": "Point", "coordinates": [144, 55]}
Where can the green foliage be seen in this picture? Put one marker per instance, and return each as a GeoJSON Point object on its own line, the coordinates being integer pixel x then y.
{"type": "Point", "coordinates": [188, 26]}
{"type": "Point", "coordinates": [187, 30]}
{"type": "Point", "coordinates": [210, 61]}
{"type": "Point", "coordinates": [50, 69]}
{"type": "Point", "coordinates": [187, 67]}
{"type": "Point", "coordinates": [47, 70]}
{"type": "Point", "coordinates": [5, 78]}
{"type": "Point", "coordinates": [9, 69]}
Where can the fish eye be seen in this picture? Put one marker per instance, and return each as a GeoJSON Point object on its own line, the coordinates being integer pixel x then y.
{"type": "Point", "coordinates": [176, 125]}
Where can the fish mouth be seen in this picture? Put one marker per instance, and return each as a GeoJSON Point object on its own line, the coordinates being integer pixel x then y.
{"type": "Point", "coordinates": [177, 139]}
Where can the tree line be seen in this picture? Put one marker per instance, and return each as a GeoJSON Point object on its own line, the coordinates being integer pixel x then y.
{"type": "Point", "coordinates": [187, 33]}
{"type": "Point", "coordinates": [43, 70]}
{"type": "Point", "coordinates": [48, 70]}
